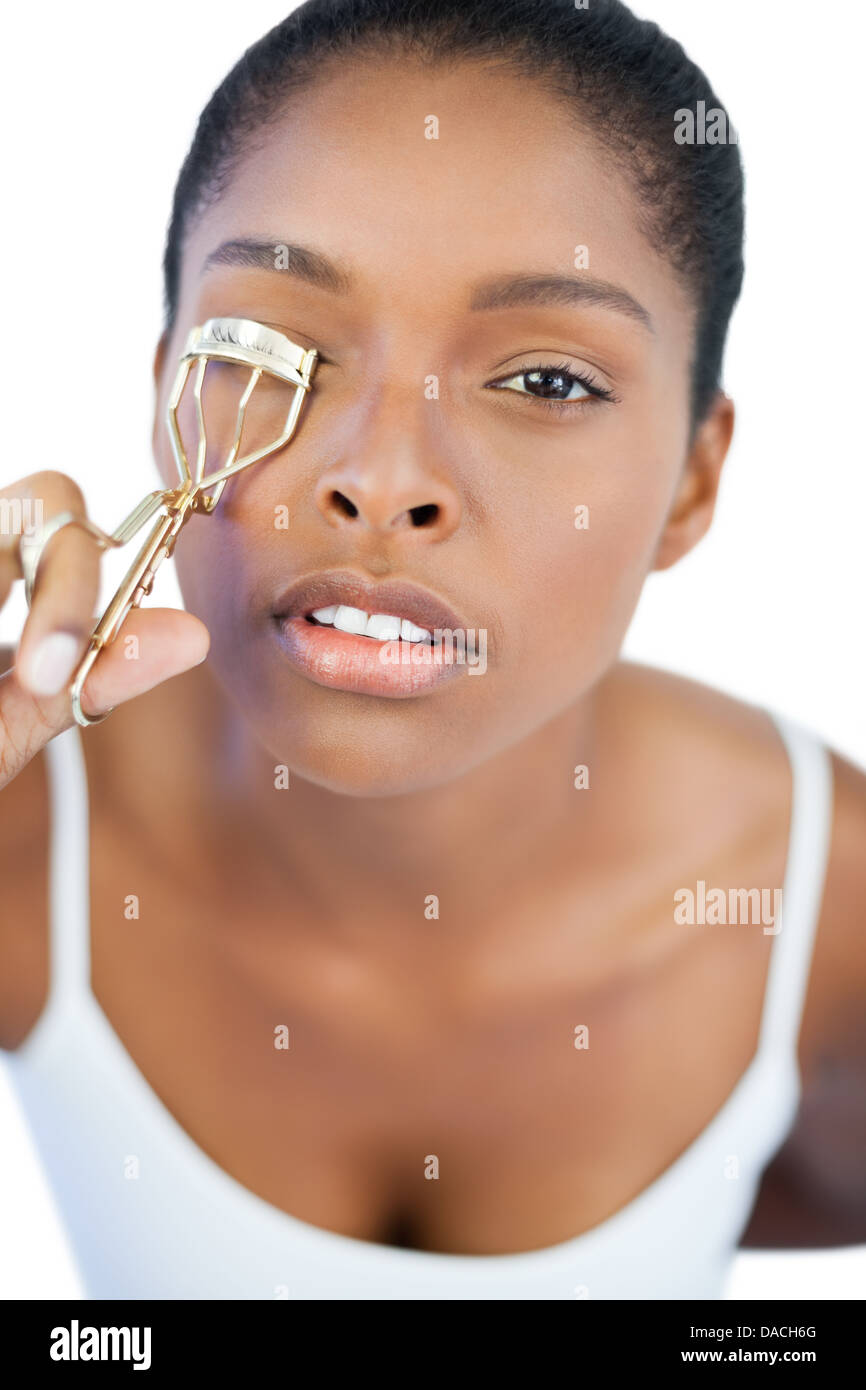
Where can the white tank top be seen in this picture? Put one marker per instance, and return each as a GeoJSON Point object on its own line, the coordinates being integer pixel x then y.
{"type": "Point", "coordinates": [183, 1228]}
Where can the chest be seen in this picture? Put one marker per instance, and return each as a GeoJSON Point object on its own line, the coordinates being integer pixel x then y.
{"type": "Point", "coordinates": [429, 1094]}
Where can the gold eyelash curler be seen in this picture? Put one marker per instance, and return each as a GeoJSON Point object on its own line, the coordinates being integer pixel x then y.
{"type": "Point", "coordinates": [239, 341]}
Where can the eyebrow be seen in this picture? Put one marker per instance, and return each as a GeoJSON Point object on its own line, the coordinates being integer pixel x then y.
{"type": "Point", "coordinates": [508, 291]}
{"type": "Point", "coordinates": [500, 292]}
{"type": "Point", "coordinates": [302, 262]}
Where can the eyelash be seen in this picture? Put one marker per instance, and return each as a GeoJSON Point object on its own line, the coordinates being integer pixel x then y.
{"type": "Point", "coordinates": [583, 379]}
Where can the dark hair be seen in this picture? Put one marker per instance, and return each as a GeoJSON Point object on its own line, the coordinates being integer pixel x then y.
{"type": "Point", "coordinates": [622, 74]}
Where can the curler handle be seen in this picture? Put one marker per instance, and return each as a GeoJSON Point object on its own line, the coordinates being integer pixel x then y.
{"type": "Point", "coordinates": [137, 582]}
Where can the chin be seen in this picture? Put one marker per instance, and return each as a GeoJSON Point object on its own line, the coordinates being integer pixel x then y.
{"type": "Point", "coordinates": [341, 766]}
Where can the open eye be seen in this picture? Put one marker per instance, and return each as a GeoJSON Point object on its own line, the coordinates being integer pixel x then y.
{"type": "Point", "coordinates": [553, 384]}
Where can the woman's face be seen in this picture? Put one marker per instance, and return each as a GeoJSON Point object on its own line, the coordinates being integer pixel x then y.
{"type": "Point", "coordinates": [533, 517]}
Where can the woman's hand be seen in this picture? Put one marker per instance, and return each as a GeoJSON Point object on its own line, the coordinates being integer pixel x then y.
{"type": "Point", "coordinates": [34, 698]}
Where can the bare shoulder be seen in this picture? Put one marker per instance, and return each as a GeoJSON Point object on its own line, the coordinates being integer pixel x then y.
{"type": "Point", "coordinates": [24, 875]}
{"type": "Point", "coordinates": [715, 750]}
{"type": "Point", "coordinates": [728, 740]}
{"type": "Point", "coordinates": [814, 1191]}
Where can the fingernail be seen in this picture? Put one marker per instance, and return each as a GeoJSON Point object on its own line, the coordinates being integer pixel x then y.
{"type": "Point", "coordinates": [53, 662]}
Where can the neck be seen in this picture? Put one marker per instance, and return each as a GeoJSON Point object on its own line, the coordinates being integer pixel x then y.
{"type": "Point", "coordinates": [473, 842]}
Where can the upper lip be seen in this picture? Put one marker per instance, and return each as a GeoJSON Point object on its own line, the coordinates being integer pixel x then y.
{"type": "Point", "coordinates": [394, 597]}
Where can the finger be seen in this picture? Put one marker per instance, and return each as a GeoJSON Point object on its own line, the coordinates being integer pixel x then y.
{"type": "Point", "coordinates": [60, 620]}
{"type": "Point", "coordinates": [27, 504]}
{"type": "Point", "coordinates": [67, 582]}
{"type": "Point", "coordinates": [153, 645]}
{"type": "Point", "coordinates": [167, 642]}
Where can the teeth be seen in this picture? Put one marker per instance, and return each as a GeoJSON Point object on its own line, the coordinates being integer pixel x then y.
{"type": "Point", "coordinates": [410, 633]}
{"type": "Point", "coordinates": [382, 627]}
{"type": "Point", "coordinates": [350, 619]}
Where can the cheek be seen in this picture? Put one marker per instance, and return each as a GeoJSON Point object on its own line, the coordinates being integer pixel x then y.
{"type": "Point", "coordinates": [580, 568]}
{"type": "Point", "coordinates": [210, 563]}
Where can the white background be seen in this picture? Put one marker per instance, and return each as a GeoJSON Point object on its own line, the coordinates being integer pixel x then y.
{"type": "Point", "coordinates": [99, 105]}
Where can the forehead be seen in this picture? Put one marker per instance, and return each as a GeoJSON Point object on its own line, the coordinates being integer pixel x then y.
{"type": "Point", "coordinates": [426, 180]}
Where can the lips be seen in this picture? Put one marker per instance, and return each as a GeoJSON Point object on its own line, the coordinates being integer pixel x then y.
{"type": "Point", "coordinates": [362, 662]}
{"type": "Point", "coordinates": [342, 588]}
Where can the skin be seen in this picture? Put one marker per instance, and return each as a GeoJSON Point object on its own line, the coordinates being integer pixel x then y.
{"type": "Point", "coordinates": [452, 1036]}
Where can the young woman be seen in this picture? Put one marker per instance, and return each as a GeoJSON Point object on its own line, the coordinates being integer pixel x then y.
{"type": "Point", "coordinates": [471, 1008]}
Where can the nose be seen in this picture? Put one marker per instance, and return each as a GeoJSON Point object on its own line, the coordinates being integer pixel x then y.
{"type": "Point", "coordinates": [392, 478]}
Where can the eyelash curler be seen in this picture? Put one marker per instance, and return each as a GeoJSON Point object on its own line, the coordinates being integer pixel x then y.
{"type": "Point", "coordinates": [239, 341]}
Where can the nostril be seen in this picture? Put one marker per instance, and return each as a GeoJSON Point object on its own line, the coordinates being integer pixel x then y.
{"type": "Point", "coordinates": [423, 515]}
{"type": "Point", "coordinates": [342, 503]}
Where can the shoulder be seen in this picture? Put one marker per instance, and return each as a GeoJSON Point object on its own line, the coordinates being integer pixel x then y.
{"type": "Point", "coordinates": [723, 754]}
{"type": "Point", "coordinates": [821, 1167]}
{"type": "Point", "coordinates": [736, 755]}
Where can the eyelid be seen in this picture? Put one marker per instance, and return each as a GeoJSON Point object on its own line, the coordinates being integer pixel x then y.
{"type": "Point", "coordinates": [577, 359]}
{"type": "Point", "coordinates": [563, 357]}
{"type": "Point", "coordinates": [585, 377]}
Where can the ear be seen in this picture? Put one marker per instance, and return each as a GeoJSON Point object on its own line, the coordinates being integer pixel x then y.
{"type": "Point", "coordinates": [695, 499]}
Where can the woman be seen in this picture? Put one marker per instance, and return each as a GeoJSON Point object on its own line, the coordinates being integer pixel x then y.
{"type": "Point", "coordinates": [447, 1015]}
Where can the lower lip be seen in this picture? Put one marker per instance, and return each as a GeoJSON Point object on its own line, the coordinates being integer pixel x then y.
{"type": "Point", "coordinates": [345, 661]}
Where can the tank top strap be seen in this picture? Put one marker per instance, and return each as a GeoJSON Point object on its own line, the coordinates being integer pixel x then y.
{"type": "Point", "coordinates": [811, 818]}
{"type": "Point", "coordinates": [68, 866]}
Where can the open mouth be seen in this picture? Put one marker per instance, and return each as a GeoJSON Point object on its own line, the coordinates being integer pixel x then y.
{"type": "Point", "coordinates": [389, 639]}
{"type": "Point", "coordinates": [380, 627]}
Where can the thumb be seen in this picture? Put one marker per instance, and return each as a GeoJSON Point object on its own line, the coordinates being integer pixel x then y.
{"type": "Point", "coordinates": [153, 645]}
